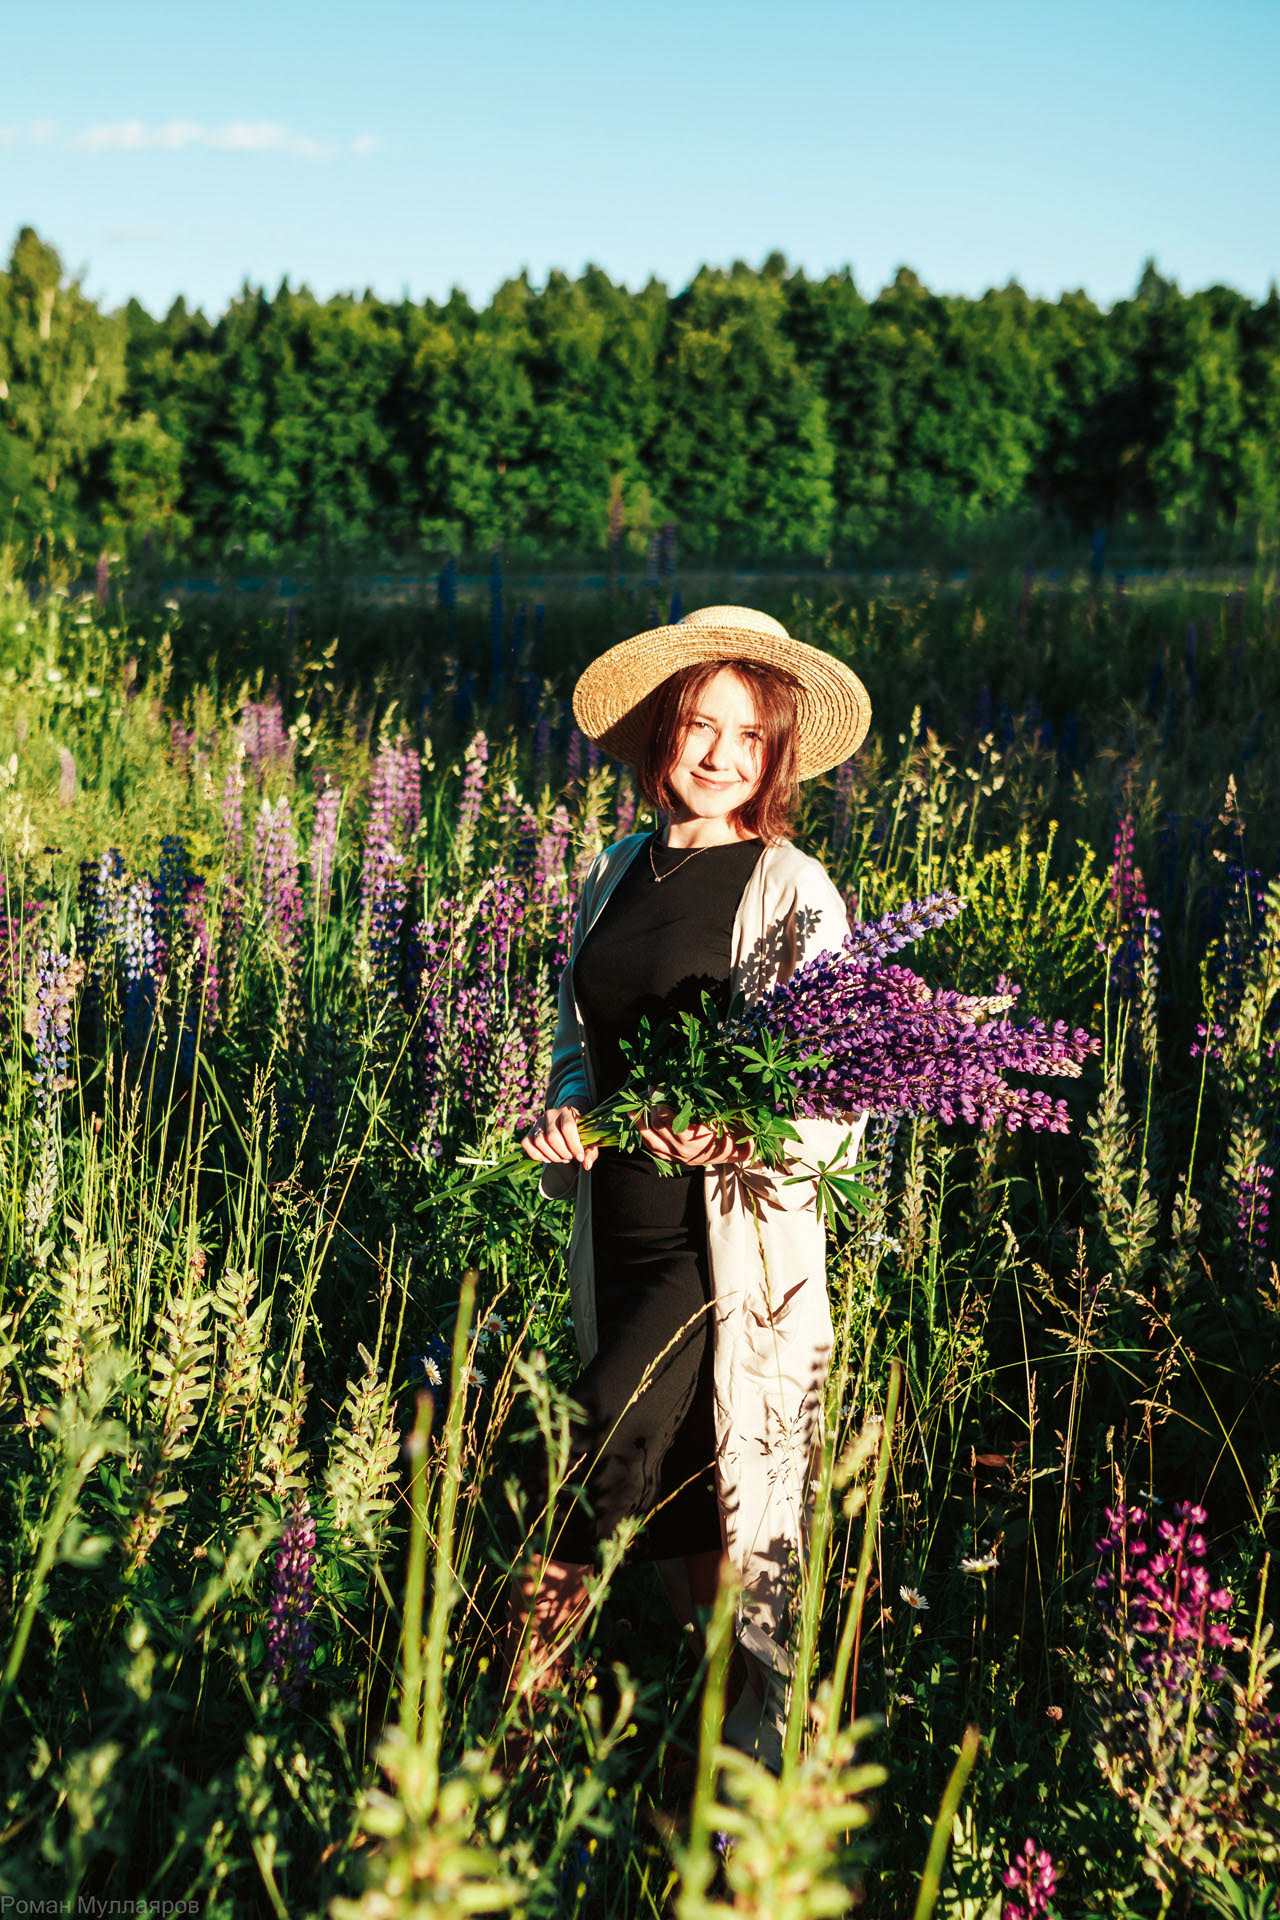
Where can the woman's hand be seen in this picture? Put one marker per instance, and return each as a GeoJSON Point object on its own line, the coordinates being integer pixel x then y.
{"type": "Point", "coordinates": [555, 1139]}
{"type": "Point", "coordinates": [697, 1146]}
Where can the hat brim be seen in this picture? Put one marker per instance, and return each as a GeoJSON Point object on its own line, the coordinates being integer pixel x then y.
{"type": "Point", "coordinates": [833, 710]}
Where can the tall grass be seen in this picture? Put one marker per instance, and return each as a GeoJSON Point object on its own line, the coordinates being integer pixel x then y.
{"type": "Point", "coordinates": [284, 911]}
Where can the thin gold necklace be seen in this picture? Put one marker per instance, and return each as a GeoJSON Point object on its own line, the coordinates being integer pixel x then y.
{"type": "Point", "coordinates": [660, 877]}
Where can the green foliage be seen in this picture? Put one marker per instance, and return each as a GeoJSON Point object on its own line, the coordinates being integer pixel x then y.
{"type": "Point", "coordinates": [232, 1305]}
{"type": "Point", "coordinates": [763, 413]}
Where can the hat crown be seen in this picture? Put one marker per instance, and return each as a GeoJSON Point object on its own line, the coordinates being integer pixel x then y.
{"type": "Point", "coordinates": [733, 619]}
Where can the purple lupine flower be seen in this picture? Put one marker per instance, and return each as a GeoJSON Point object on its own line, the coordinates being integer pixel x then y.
{"type": "Point", "coordinates": [384, 913]}
{"type": "Point", "coordinates": [1165, 1600]}
{"type": "Point", "coordinates": [263, 737]}
{"type": "Point", "coordinates": [626, 812]}
{"type": "Point", "coordinates": [324, 843]}
{"type": "Point", "coordinates": [290, 1637]}
{"type": "Point", "coordinates": [182, 740]}
{"type": "Point", "coordinates": [573, 759]}
{"type": "Point", "coordinates": [428, 964]}
{"type": "Point", "coordinates": [475, 759]}
{"type": "Point", "coordinates": [1132, 917]}
{"type": "Point", "coordinates": [886, 1043]}
{"type": "Point", "coordinates": [1243, 943]}
{"type": "Point", "coordinates": [395, 796]}
{"type": "Point", "coordinates": [593, 757]}
{"type": "Point", "coordinates": [552, 851]}
{"type": "Point", "coordinates": [232, 903]}
{"type": "Point", "coordinates": [479, 1004]}
{"type": "Point", "coordinates": [275, 871]}
{"type": "Point", "coordinates": [195, 923]}
{"type": "Point", "coordinates": [57, 975]}
{"type": "Point", "coordinates": [667, 555]}
{"type": "Point", "coordinates": [99, 897]}
{"type": "Point", "coordinates": [1126, 880]}
{"type": "Point", "coordinates": [1253, 1209]}
{"type": "Point", "coordinates": [102, 580]}
{"type": "Point", "coordinates": [233, 811]}
{"type": "Point", "coordinates": [67, 777]}
{"type": "Point", "coordinates": [1030, 1882]}
{"type": "Point", "coordinates": [496, 1025]}
{"type": "Point", "coordinates": [138, 948]}
{"type": "Point", "coordinates": [877, 939]}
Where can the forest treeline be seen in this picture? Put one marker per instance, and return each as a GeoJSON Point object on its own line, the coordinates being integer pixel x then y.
{"type": "Point", "coordinates": [758, 411]}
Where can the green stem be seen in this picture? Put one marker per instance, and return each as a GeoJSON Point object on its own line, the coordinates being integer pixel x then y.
{"type": "Point", "coordinates": [445, 1590]}
{"type": "Point", "coordinates": [700, 1866]}
{"type": "Point", "coordinates": [851, 1633]}
{"type": "Point", "coordinates": [931, 1878]}
{"type": "Point", "coordinates": [415, 1580]}
{"type": "Point", "coordinates": [68, 1495]}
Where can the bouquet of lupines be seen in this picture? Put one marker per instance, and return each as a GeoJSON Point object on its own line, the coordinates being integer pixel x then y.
{"type": "Point", "coordinates": [848, 1033]}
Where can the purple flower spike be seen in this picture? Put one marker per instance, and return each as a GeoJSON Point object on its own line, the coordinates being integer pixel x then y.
{"type": "Point", "coordinates": [395, 796]}
{"type": "Point", "coordinates": [263, 736]}
{"type": "Point", "coordinates": [884, 1042]}
{"type": "Point", "coordinates": [385, 901]}
{"type": "Point", "coordinates": [290, 1640]}
{"type": "Point", "coordinates": [275, 870]}
{"type": "Point", "coordinates": [324, 843]}
{"type": "Point", "coordinates": [57, 977]}
{"type": "Point", "coordinates": [1165, 1597]}
{"type": "Point", "coordinates": [877, 939]}
{"type": "Point", "coordinates": [1133, 918]}
{"type": "Point", "coordinates": [1030, 1882]}
{"type": "Point", "coordinates": [476, 758]}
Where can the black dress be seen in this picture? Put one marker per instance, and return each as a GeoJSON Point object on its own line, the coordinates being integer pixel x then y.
{"type": "Point", "coordinates": [647, 1442]}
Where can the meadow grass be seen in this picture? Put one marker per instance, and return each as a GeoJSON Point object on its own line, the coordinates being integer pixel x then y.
{"type": "Point", "coordinates": [286, 898]}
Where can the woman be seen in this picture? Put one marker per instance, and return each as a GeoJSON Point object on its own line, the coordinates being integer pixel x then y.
{"type": "Point", "coordinates": [699, 1302]}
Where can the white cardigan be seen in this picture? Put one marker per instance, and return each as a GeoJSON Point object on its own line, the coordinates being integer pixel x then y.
{"type": "Point", "coordinates": [767, 1248]}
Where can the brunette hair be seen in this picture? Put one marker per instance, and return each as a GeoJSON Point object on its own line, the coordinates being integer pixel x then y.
{"type": "Point", "coordinates": [767, 813]}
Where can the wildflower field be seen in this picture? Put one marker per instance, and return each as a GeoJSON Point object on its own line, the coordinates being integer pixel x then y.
{"type": "Point", "coordinates": [287, 890]}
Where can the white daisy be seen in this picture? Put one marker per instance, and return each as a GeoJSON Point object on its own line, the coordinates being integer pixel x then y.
{"type": "Point", "coordinates": [987, 1563]}
{"type": "Point", "coordinates": [474, 1377]}
{"type": "Point", "coordinates": [914, 1598]}
{"type": "Point", "coordinates": [431, 1370]}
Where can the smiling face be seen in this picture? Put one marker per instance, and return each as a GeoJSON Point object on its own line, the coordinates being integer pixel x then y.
{"type": "Point", "coordinates": [719, 757]}
{"type": "Point", "coordinates": [717, 764]}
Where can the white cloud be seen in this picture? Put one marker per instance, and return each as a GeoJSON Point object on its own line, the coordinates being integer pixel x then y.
{"type": "Point", "coordinates": [241, 136]}
{"type": "Point", "coordinates": [35, 134]}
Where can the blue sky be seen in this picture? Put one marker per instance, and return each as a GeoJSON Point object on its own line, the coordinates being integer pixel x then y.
{"type": "Point", "coordinates": [413, 145]}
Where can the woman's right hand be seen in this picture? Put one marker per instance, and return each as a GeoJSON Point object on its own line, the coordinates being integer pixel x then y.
{"type": "Point", "coordinates": [555, 1138]}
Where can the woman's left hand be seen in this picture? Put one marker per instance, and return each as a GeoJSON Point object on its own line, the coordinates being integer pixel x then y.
{"type": "Point", "coordinates": [697, 1146]}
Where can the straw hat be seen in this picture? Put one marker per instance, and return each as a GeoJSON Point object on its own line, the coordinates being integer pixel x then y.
{"type": "Point", "coordinates": [833, 711]}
